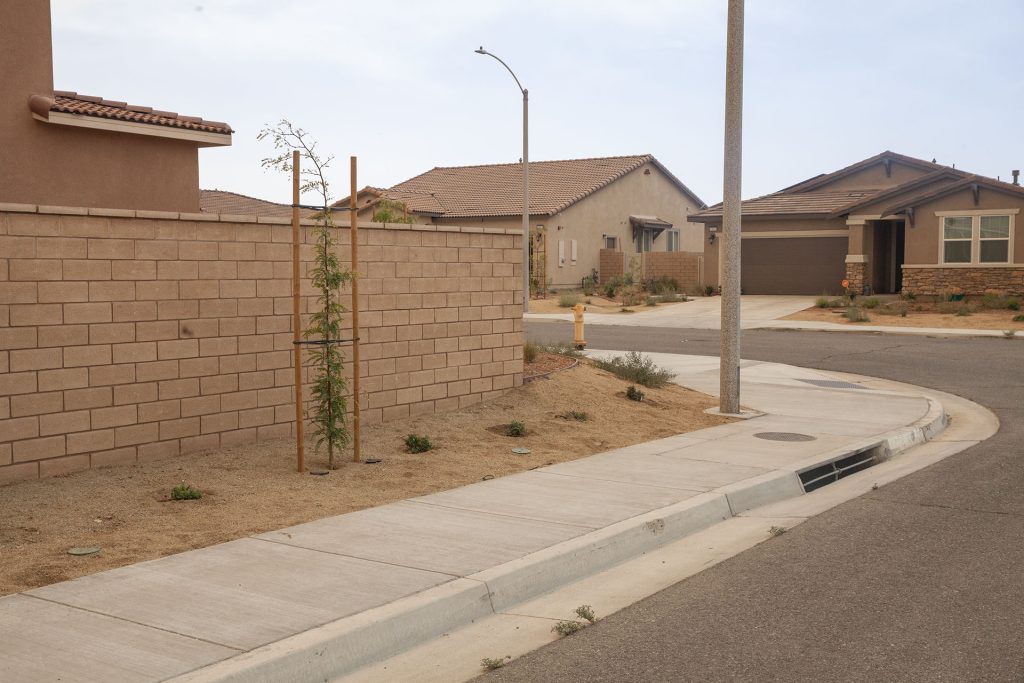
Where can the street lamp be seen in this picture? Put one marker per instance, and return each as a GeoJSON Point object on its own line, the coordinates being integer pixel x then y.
{"type": "Point", "coordinates": [526, 180]}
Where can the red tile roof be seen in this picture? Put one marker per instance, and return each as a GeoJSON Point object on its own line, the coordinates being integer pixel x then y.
{"type": "Point", "coordinates": [784, 203]}
{"type": "Point", "coordinates": [496, 189]}
{"type": "Point", "coordinates": [86, 105]}
{"type": "Point", "coordinates": [219, 201]}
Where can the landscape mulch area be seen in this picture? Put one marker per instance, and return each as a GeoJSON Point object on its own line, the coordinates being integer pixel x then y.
{"type": "Point", "coordinates": [598, 304]}
{"type": "Point", "coordinates": [920, 315]}
{"type": "Point", "coordinates": [248, 489]}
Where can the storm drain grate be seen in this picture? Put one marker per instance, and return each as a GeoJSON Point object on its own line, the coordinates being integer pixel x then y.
{"type": "Point", "coordinates": [784, 436]}
{"type": "Point", "coordinates": [832, 383]}
{"type": "Point", "coordinates": [831, 472]}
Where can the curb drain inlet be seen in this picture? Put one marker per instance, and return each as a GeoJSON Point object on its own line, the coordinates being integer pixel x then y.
{"type": "Point", "coordinates": [831, 472]}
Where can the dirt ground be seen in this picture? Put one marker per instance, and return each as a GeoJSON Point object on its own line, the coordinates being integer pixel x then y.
{"type": "Point", "coordinates": [598, 304]}
{"type": "Point", "coordinates": [920, 315]}
{"type": "Point", "coordinates": [249, 489]}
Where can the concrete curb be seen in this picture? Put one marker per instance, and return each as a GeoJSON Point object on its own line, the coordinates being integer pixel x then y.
{"type": "Point", "coordinates": [343, 646]}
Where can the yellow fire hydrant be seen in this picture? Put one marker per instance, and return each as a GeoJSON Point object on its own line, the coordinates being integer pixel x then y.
{"type": "Point", "coordinates": [577, 314]}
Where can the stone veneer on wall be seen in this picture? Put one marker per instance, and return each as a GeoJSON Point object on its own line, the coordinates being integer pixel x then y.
{"type": "Point", "coordinates": [129, 335]}
{"type": "Point", "coordinates": [934, 281]}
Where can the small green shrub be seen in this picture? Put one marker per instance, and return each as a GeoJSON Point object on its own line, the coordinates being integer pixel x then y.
{"type": "Point", "coordinates": [562, 349]}
{"type": "Point", "coordinates": [578, 415]}
{"type": "Point", "coordinates": [651, 301]}
{"type": "Point", "coordinates": [184, 491]}
{"type": "Point", "coordinates": [661, 285]}
{"type": "Point", "coordinates": [492, 664]}
{"type": "Point", "coordinates": [568, 299]}
{"type": "Point", "coordinates": [586, 612]}
{"type": "Point", "coordinates": [515, 428]}
{"type": "Point", "coordinates": [871, 302]}
{"type": "Point", "coordinates": [709, 290]}
{"type": "Point", "coordinates": [530, 351]}
{"type": "Point", "coordinates": [634, 394]}
{"type": "Point", "coordinates": [567, 627]}
{"type": "Point", "coordinates": [1018, 318]}
{"type": "Point", "coordinates": [777, 530]}
{"type": "Point", "coordinates": [908, 295]}
{"type": "Point", "coordinates": [855, 314]}
{"type": "Point", "coordinates": [612, 286]}
{"type": "Point", "coordinates": [1013, 304]}
{"type": "Point", "coordinates": [636, 367]}
{"type": "Point", "coordinates": [895, 308]}
{"type": "Point", "coordinates": [588, 285]}
{"type": "Point", "coordinates": [823, 302]}
{"type": "Point", "coordinates": [417, 443]}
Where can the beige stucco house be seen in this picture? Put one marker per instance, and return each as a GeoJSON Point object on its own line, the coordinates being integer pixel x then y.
{"type": "Point", "coordinates": [60, 148]}
{"type": "Point", "coordinates": [886, 224]}
{"type": "Point", "coordinates": [578, 207]}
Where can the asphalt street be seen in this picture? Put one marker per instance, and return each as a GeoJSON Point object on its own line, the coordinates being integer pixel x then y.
{"type": "Point", "coordinates": [920, 580]}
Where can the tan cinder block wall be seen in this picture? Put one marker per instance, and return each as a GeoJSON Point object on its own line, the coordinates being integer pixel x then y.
{"type": "Point", "coordinates": [612, 264]}
{"type": "Point", "coordinates": [682, 266]}
{"type": "Point", "coordinates": [130, 335]}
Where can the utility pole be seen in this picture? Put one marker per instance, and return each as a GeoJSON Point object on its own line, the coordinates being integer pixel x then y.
{"type": "Point", "coordinates": [729, 378]}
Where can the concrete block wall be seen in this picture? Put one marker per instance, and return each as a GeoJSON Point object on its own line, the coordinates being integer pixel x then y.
{"type": "Point", "coordinates": [130, 335]}
{"type": "Point", "coordinates": [682, 266]}
{"type": "Point", "coordinates": [611, 263]}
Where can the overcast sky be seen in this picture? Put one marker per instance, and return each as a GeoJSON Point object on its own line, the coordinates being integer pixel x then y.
{"type": "Point", "coordinates": [397, 83]}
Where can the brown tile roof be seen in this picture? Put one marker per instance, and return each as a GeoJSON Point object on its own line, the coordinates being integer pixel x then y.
{"type": "Point", "coordinates": [219, 201]}
{"type": "Point", "coordinates": [784, 203]}
{"type": "Point", "coordinates": [496, 189]}
{"type": "Point", "coordinates": [974, 182]}
{"type": "Point", "coordinates": [806, 199]}
{"type": "Point", "coordinates": [825, 178]}
{"type": "Point", "coordinates": [86, 105]}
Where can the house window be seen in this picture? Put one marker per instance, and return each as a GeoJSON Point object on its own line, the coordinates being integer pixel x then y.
{"type": "Point", "coordinates": [572, 251]}
{"type": "Point", "coordinates": [644, 241]}
{"type": "Point", "coordinates": [957, 235]}
{"type": "Point", "coordinates": [976, 239]}
{"type": "Point", "coordinates": [994, 239]}
{"type": "Point", "coordinates": [610, 242]}
{"type": "Point", "coordinates": [673, 240]}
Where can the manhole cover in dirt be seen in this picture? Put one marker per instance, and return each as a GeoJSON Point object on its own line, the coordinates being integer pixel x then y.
{"type": "Point", "coordinates": [522, 451]}
{"type": "Point", "coordinates": [784, 436]}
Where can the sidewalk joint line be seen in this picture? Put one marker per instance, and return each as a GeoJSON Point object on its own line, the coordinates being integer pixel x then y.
{"type": "Point", "coordinates": [132, 621]}
{"type": "Point", "coordinates": [355, 557]}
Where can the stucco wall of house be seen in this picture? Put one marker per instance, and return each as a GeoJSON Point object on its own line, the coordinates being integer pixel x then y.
{"type": "Point", "coordinates": [606, 212]}
{"type": "Point", "coordinates": [874, 177]}
{"type": "Point", "coordinates": [922, 240]}
{"type": "Point", "coordinates": [44, 163]}
{"type": "Point", "coordinates": [131, 335]}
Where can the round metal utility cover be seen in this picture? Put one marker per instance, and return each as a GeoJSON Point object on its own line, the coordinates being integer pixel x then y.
{"type": "Point", "coordinates": [522, 451]}
{"type": "Point", "coordinates": [784, 436]}
{"type": "Point", "coordinates": [88, 550]}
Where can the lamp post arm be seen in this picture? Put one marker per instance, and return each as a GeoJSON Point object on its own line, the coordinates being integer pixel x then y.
{"type": "Point", "coordinates": [507, 68]}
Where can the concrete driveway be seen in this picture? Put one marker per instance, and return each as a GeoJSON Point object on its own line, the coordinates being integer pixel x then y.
{"type": "Point", "coordinates": [700, 313]}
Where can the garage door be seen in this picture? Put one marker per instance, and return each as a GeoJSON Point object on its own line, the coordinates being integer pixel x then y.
{"type": "Point", "coordinates": [799, 265]}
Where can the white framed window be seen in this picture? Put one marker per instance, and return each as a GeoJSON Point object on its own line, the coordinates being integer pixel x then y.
{"type": "Point", "coordinates": [673, 241]}
{"type": "Point", "coordinates": [572, 251]}
{"type": "Point", "coordinates": [561, 253]}
{"type": "Point", "coordinates": [980, 238]}
{"type": "Point", "coordinates": [610, 242]}
{"type": "Point", "coordinates": [645, 240]}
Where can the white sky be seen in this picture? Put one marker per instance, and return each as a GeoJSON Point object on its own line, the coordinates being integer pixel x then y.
{"type": "Point", "coordinates": [828, 82]}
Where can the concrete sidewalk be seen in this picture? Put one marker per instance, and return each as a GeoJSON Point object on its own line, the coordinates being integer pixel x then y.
{"type": "Point", "coordinates": [757, 312]}
{"type": "Point", "coordinates": [318, 600]}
